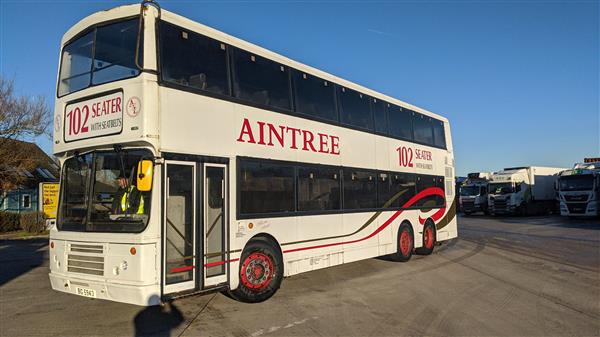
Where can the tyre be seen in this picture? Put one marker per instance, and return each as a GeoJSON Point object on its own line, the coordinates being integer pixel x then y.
{"type": "Point", "coordinates": [261, 272]}
{"type": "Point", "coordinates": [428, 239]}
{"type": "Point", "coordinates": [405, 243]}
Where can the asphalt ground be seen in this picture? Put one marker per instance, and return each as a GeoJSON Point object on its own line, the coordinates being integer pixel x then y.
{"type": "Point", "coordinates": [533, 276]}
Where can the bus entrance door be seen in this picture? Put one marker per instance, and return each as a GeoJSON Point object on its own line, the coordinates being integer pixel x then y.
{"type": "Point", "coordinates": [195, 232]}
{"type": "Point", "coordinates": [179, 258]}
{"type": "Point", "coordinates": [215, 219]}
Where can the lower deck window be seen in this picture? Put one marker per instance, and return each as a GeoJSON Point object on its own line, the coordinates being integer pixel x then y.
{"type": "Point", "coordinates": [425, 182]}
{"type": "Point", "coordinates": [277, 188]}
{"type": "Point", "coordinates": [318, 189]}
{"type": "Point", "coordinates": [395, 189]}
{"type": "Point", "coordinates": [266, 188]}
{"type": "Point", "coordinates": [360, 189]}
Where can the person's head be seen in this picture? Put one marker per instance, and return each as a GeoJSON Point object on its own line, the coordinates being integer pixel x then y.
{"type": "Point", "coordinates": [122, 182]}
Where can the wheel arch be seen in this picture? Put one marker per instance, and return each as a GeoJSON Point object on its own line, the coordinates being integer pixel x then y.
{"type": "Point", "coordinates": [267, 238]}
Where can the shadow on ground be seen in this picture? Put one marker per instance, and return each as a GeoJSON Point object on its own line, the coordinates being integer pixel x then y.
{"type": "Point", "coordinates": [18, 257]}
{"type": "Point", "coordinates": [158, 320]}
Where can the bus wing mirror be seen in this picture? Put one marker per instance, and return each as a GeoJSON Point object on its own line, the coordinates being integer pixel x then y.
{"type": "Point", "coordinates": [144, 176]}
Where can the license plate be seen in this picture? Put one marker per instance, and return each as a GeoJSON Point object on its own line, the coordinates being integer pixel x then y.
{"type": "Point", "coordinates": [86, 292]}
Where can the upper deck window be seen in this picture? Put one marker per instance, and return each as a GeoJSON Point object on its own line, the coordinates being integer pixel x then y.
{"type": "Point", "coordinates": [104, 54]}
{"type": "Point", "coordinates": [314, 96]}
{"type": "Point", "coordinates": [423, 129]}
{"type": "Point", "coordinates": [355, 109]}
{"type": "Point", "coordinates": [438, 134]}
{"type": "Point", "coordinates": [400, 122]}
{"type": "Point", "coordinates": [260, 80]}
{"type": "Point", "coordinates": [380, 115]}
{"type": "Point", "coordinates": [193, 60]}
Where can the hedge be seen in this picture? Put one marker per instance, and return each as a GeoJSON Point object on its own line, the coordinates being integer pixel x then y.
{"type": "Point", "coordinates": [32, 222]}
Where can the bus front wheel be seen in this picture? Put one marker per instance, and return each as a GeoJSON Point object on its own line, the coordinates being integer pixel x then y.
{"type": "Point", "coordinates": [261, 272]}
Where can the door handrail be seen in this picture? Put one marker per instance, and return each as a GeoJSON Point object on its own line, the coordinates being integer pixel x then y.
{"type": "Point", "coordinates": [214, 224]}
{"type": "Point", "coordinates": [178, 232]}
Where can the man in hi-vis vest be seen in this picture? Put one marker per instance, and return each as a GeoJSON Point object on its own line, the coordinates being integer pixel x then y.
{"type": "Point", "coordinates": [127, 200]}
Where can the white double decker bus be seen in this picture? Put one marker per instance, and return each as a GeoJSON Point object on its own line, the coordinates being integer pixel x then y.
{"type": "Point", "coordinates": [193, 161]}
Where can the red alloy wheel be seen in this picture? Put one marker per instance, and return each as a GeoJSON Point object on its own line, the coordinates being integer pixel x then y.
{"type": "Point", "coordinates": [428, 237]}
{"type": "Point", "coordinates": [405, 244]}
{"type": "Point", "coordinates": [257, 271]}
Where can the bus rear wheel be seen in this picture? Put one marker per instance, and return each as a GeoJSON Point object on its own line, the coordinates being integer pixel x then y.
{"type": "Point", "coordinates": [261, 272]}
{"type": "Point", "coordinates": [405, 243]}
{"type": "Point", "coordinates": [428, 239]}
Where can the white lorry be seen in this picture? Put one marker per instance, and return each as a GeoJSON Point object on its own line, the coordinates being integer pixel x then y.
{"type": "Point", "coordinates": [523, 190]}
{"type": "Point", "coordinates": [579, 189]}
{"type": "Point", "coordinates": [473, 193]}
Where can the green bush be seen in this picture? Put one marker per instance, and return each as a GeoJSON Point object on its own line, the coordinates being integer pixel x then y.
{"type": "Point", "coordinates": [33, 222]}
{"type": "Point", "coordinates": [9, 221]}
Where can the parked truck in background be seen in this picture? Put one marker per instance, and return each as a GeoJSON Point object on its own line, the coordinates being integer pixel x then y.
{"type": "Point", "coordinates": [473, 193]}
{"type": "Point", "coordinates": [523, 190]}
{"type": "Point", "coordinates": [579, 189]}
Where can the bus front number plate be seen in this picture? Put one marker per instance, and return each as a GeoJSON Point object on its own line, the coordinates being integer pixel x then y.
{"type": "Point", "coordinates": [86, 292]}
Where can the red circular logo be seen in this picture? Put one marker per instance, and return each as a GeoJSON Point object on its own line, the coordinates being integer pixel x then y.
{"type": "Point", "coordinates": [134, 106]}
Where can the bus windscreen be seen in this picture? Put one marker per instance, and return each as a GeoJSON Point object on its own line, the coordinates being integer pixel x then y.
{"type": "Point", "coordinates": [104, 54]}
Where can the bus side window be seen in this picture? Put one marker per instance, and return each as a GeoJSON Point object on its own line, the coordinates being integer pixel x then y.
{"type": "Point", "coordinates": [400, 122]}
{"type": "Point", "coordinates": [193, 60]}
{"type": "Point", "coordinates": [423, 129]}
{"type": "Point", "coordinates": [360, 189]}
{"type": "Point", "coordinates": [314, 96]}
{"type": "Point", "coordinates": [260, 80]}
{"type": "Point", "coordinates": [379, 109]}
{"type": "Point", "coordinates": [354, 108]}
{"type": "Point", "coordinates": [439, 137]}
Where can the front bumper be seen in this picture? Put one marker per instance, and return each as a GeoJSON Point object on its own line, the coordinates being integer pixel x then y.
{"type": "Point", "coordinates": [138, 295]}
{"type": "Point", "coordinates": [582, 209]}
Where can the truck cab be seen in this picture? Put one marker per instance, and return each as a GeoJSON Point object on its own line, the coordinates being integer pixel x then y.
{"type": "Point", "coordinates": [506, 192]}
{"type": "Point", "coordinates": [473, 193]}
{"type": "Point", "coordinates": [579, 190]}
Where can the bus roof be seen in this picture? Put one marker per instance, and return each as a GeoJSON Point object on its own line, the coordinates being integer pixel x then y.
{"type": "Point", "coordinates": [134, 9]}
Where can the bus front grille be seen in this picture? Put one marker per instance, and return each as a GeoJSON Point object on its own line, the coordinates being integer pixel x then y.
{"type": "Point", "coordinates": [86, 259]}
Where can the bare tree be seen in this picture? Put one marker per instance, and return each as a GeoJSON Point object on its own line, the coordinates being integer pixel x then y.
{"type": "Point", "coordinates": [20, 118]}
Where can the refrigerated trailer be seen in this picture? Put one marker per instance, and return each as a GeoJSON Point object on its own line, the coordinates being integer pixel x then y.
{"type": "Point", "coordinates": [579, 190]}
{"type": "Point", "coordinates": [523, 190]}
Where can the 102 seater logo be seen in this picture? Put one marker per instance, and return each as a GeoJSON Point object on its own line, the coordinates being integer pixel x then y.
{"type": "Point", "coordinates": [94, 117]}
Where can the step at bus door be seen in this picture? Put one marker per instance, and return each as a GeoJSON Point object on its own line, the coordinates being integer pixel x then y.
{"type": "Point", "coordinates": [179, 227]}
{"type": "Point", "coordinates": [215, 232]}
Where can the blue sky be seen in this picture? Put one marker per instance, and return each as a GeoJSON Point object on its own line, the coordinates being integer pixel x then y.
{"type": "Point", "coordinates": [519, 81]}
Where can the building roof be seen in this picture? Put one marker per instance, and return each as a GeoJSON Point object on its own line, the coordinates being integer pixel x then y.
{"type": "Point", "coordinates": [39, 167]}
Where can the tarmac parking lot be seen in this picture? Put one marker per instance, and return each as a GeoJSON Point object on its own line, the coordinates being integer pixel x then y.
{"type": "Point", "coordinates": [501, 277]}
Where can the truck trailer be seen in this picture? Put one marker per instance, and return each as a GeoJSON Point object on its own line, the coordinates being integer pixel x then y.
{"type": "Point", "coordinates": [523, 190]}
{"type": "Point", "coordinates": [473, 193]}
{"type": "Point", "coordinates": [579, 190]}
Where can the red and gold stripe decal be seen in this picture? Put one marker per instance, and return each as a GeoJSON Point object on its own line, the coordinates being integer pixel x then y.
{"type": "Point", "coordinates": [423, 194]}
{"type": "Point", "coordinates": [436, 217]}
